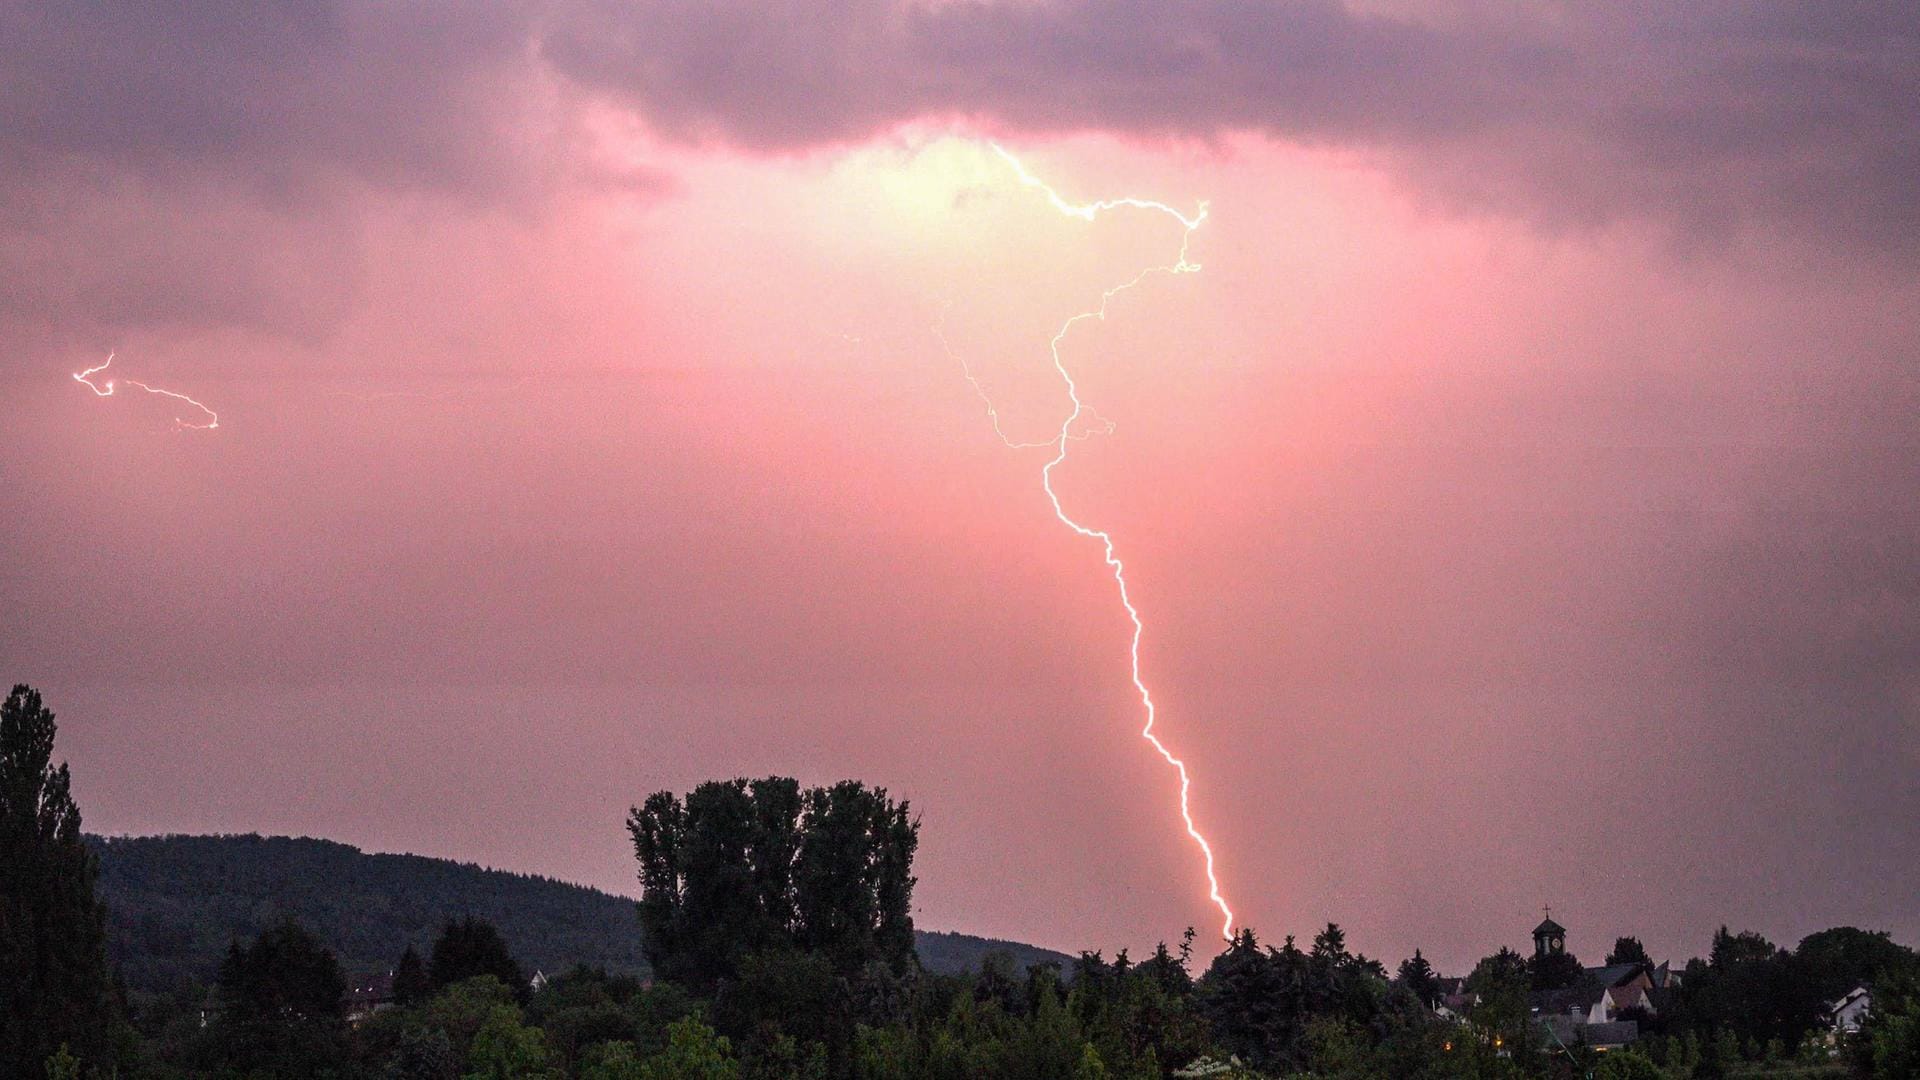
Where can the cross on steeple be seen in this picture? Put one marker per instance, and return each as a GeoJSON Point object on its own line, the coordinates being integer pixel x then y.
{"type": "Point", "coordinates": [1549, 938]}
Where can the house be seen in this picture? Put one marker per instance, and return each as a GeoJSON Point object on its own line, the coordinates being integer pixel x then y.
{"type": "Point", "coordinates": [367, 995]}
{"type": "Point", "coordinates": [1664, 977]}
{"type": "Point", "coordinates": [1601, 995]}
{"type": "Point", "coordinates": [1452, 999]}
{"type": "Point", "coordinates": [1633, 995]}
{"type": "Point", "coordinates": [1601, 1007]}
{"type": "Point", "coordinates": [1847, 1013]}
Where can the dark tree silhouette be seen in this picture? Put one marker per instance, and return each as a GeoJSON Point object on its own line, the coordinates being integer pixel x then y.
{"type": "Point", "coordinates": [1418, 977]}
{"type": "Point", "coordinates": [280, 1005]}
{"type": "Point", "coordinates": [1749, 990]}
{"type": "Point", "coordinates": [54, 984]}
{"type": "Point", "coordinates": [1168, 970]}
{"type": "Point", "coordinates": [746, 868]}
{"type": "Point", "coordinates": [411, 984]}
{"type": "Point", "coordinates": [1832, 962]}
{"type": "Point", "coordinates": [1554, 970]}
{"type": "Point", "coordinates": [1628, 950]}
{"type": "Point", "coordinates": [1263, 1004]}
{"type": "Point", "coordinates": [471, 947]}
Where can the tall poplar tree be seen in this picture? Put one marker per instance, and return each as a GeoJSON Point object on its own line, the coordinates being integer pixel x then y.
{"type": "Point", "coordinates": [55, 988]}
{"type": "Point", "coordinates": [747, 867]}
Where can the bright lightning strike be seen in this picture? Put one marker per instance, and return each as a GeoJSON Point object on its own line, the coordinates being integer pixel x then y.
{"type": "Point", "coordinates": [106, 388]}
{"type": "Point", "coordinates": [1068, 434]}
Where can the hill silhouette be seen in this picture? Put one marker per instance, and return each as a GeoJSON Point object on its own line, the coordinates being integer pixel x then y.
{"type": "Point", "coordinates": [175, 903]}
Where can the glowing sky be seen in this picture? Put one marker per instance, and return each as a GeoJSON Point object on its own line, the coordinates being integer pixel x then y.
{"type": "Point", "coordinates": [1522, 500]}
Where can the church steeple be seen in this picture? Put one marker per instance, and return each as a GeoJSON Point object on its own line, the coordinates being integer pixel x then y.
{"type": "Point", "coordinates": [1549, 938]}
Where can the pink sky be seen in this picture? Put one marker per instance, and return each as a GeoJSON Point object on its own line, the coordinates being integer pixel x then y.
{"type": "Point", "coordinates": [1520, 500]}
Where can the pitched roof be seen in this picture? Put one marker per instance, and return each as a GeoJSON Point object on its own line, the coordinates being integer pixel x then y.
{"type": "Point", "coordinates": [1627, 997]}
{"type": "Point", "coordinates": [1613, 974]}
{"type": "Point", "coordinates": [1549, 928]}
{"type": "Point", "coordinates": [1849, 998]}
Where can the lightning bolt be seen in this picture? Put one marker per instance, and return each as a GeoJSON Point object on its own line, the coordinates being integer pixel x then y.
{"type": "Point", "coordinates": [105, 389]}
{"type": "Point", "coordinates": [1067, 434]}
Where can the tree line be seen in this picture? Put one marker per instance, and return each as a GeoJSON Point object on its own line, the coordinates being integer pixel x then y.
{"type": "Point", "coordinates": [777, 920]}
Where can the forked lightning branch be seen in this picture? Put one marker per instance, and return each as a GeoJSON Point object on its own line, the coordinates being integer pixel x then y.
{"type": "Point", "coordinates": [1066, 436]}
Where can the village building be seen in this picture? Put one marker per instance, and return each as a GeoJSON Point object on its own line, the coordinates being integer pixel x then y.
{"type": "Point", "coordinates": [1846, 1014]}
{"type": "Point", "coordinates": [1604, 1006]}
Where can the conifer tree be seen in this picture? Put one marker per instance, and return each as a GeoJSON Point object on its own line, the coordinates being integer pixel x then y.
{"type": "Point", "coordinates": [280, 1006]}
{"type": "Point", "coordinates": [472, 947]}
{"type": "Point", "coordinates": [410, 983]}
{"type": "Point", "coordinates": [55, 988]}
{"type": "Point", "coordinates": [1417, 975]}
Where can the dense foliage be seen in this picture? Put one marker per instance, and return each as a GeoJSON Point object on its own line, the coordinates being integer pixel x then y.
{"type": "Point", "coordinates": [1257, 1010]}
{"type": "Point", "coordinates": [743, 869]}
{"type": "Point", "coordinates": [278, 1009]}
{"type": "Point", "coordinates": [784, 916]}
{"type": "Point", "coordinates": [1751, 999]}
{"type": "Point", "coordinates": [176, 902]}
{"type": "Point", "coordinates": [54, 985]}
{"type": "Point", "coordinates": [467, 948]}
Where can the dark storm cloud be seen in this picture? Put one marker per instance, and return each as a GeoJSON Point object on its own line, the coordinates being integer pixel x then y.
{"type": "Point", "coordinates": [240, 140]}
{"type": "Point", "coordinates": [398, 94]}
{"type": "Point", "coordinates": [206, 164]}
{"type": "Point", "coordinates": [1714, 116]}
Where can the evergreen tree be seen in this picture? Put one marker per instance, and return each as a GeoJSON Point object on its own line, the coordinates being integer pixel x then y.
{"type": "Point", "coordinates": [280, 1006]}
{"type": "Point", "coordinates": [1168, 971]}
{"type": "Point", "coordinates": [55, 989]}
{"type": "Point", "coordinates": [1253, 1000]}
{"type": "Point", "coordinates": [470, 947]}
{"type": "Point", "coordinates": [1417, 976]}
{"type": "Point", "coordinates": [411, 984]}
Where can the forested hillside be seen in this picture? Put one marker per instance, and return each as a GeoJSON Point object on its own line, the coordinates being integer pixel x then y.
{"type": "Point", "coordinates": [174, 904]}
{"type": "Point", "coordinates": [952, 954]}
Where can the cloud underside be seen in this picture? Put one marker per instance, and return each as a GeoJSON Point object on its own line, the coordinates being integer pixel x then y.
{"type": "Point", "coordinates": [1716, 120]}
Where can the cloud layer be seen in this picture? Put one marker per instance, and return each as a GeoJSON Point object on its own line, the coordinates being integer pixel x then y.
{"type": "Point", "coordinates": [211, 126]}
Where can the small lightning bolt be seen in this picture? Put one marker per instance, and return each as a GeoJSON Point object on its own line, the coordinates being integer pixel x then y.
{"type": "Point", "coordinates": [1100, 425]}
{"type": "Point", "coordinates": [1067, 434]}
{"type": "Point", "coordinates": [105, 389]}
